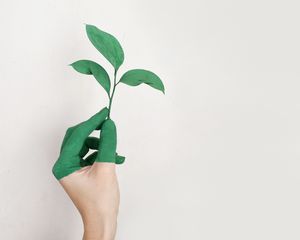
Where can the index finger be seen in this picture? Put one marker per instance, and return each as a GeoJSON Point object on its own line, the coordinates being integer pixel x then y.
{"type": "Point", "coordinates": [81, 131]}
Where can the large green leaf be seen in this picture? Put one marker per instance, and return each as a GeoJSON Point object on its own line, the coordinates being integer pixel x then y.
{"type": "Point", "coordinates": [137, 76]}
{"type": "Point", "coordinates": [107, 45]}
{"type": "Point", "coordinates": [92, 68]}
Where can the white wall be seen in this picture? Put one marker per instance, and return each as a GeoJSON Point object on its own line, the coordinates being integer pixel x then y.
{"type": "Point", "coordinates": [216, 158]}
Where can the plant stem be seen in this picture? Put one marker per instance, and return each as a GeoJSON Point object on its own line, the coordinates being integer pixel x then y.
{"type": "Point", "coordinates": [112, 94]}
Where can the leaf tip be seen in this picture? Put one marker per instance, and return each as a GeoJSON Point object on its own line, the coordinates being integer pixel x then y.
{"type": "Point", "coordinates": [162, 89]}
{"type": "Point", "coordinates": [73, 65]}
{"type": "Point", "coordinates": [89, 26]}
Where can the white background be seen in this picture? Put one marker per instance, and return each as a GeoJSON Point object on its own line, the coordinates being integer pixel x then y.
{"type": "Point", "coordinates": [216, 158]}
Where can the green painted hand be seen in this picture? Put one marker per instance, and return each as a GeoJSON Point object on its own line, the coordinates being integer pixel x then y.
{"type": "Point", "coordinates": [77, 143]}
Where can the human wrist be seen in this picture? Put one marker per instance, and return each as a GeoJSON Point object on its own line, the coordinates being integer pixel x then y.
{"type": "Point", "coordinates": [98, 234]}
{"type": "Point", "coordinates": [99, 229]}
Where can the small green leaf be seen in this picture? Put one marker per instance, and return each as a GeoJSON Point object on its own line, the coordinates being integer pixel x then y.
{"type": "Point", "coordinates": [93, 68]}
{"type": "Point", "coordinates": [107, 45]}
{"type": "Point", "coordinates": [82, 66]}
{"type": "Point", "coordinates": [137, 76]}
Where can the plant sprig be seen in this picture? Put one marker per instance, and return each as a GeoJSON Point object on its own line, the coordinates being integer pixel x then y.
{"type": "Point", "coordinates": [112, 50]}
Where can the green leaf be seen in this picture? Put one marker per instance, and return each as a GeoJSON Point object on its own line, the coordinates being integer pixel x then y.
{"type": "Point", "coordinates": [93, 68]}
{"type": "Point", "coordinates": [137, 76]}
{"type": "Point", "coordinates": [107, 45]}
{"type": "Point", "coordinates": [82, 66]}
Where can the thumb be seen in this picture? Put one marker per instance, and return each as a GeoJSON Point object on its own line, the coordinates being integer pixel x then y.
{"type": "Point", "coordinates": [108, 142]}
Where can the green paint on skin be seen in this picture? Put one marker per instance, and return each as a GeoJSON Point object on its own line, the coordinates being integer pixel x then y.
{"type": "Point", "coordinates": [77, 143]}
{"type": "Point", "coordinates": [108, 142]}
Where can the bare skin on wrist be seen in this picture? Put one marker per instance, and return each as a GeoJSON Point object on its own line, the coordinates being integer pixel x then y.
{"type": "Point", "coordinates": [95, 192]}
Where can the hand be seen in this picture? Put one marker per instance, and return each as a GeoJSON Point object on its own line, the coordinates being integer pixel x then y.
{"type": "Point", "coordinates": [91, 182]}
